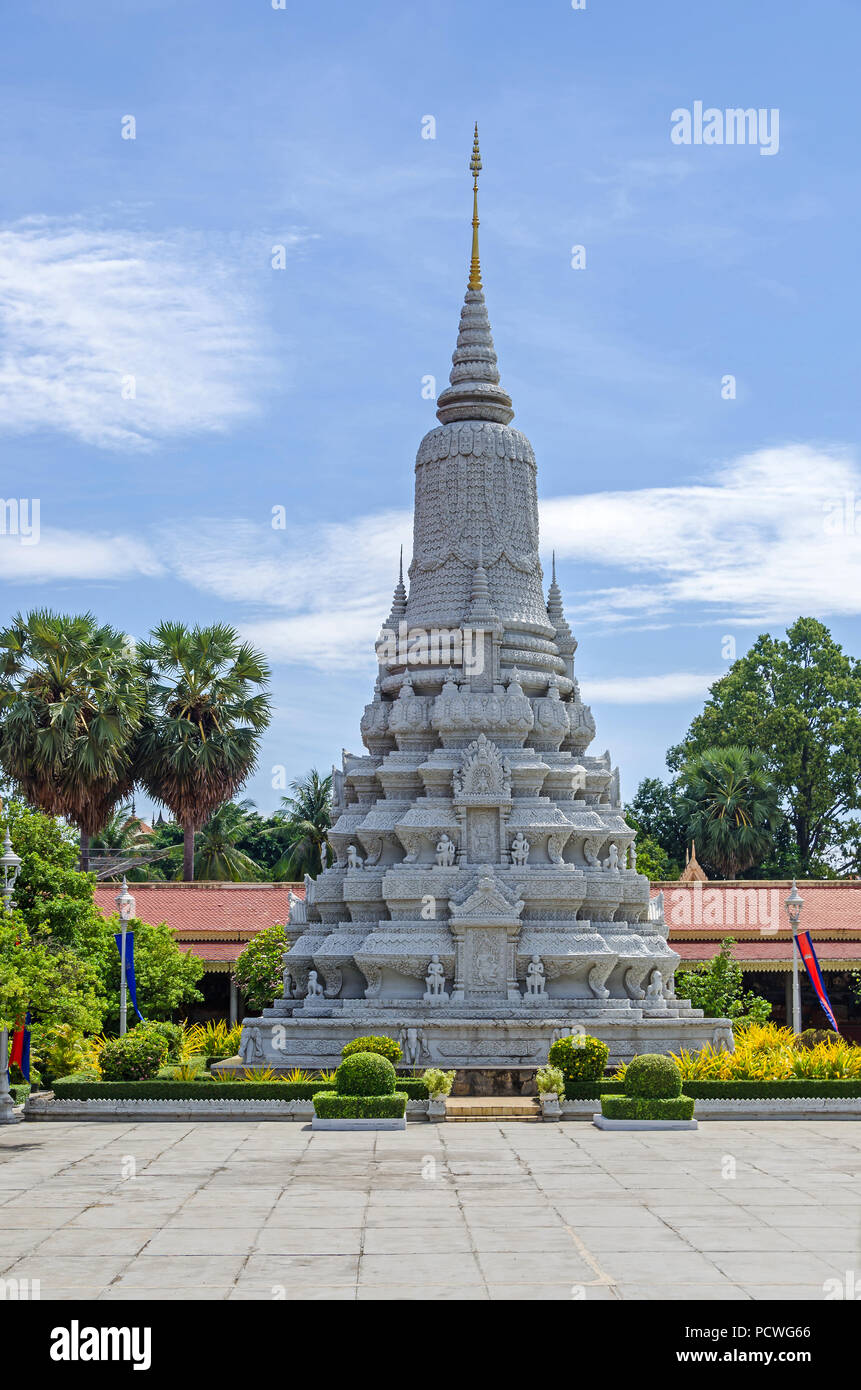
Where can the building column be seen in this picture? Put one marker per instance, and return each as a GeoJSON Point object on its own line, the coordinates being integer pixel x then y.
{"type": "Point", "coordinates": [234, 1009]}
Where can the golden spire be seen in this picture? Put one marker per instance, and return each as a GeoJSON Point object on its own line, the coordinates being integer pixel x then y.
{"type": "Point", "coordinates": [475, 169]}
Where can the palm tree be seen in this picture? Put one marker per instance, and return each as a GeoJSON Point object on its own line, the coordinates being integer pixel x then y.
{"type": "Point", "coordinates": [217, 855]}
{"type": "Point", "coordinates": [71, 702]}
{"type": "Point", "coordinates": [733, 807]}
{"type": "Point", "coordinates": [307, 819]}
{"type": "Point", "coordinates": [208, 706]}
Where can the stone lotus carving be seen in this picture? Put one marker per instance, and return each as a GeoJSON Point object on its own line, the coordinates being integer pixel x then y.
{"type": "Point", "coordinates": [597, 977]}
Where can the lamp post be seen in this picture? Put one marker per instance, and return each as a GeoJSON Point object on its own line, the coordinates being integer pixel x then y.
{"type": "Point", "coordinates": [11, 868]}
{"type": "Point", "coordinates": [793, 904]}
{"type": "Point", "coordinates": [126, 908]}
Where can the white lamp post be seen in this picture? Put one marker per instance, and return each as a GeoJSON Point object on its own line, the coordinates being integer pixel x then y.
{"type": "Point", "coordinates": [11, 868]}
{"type": "Point", "coordinates": [126, 908]}
{"type": "Point", "coordinates": [793, 904]}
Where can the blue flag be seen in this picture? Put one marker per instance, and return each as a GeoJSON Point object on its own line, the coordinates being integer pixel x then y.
{"type": "Point", "coordinates": [130, 967]}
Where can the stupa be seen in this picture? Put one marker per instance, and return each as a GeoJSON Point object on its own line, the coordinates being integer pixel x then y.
{"type": "Point", "coordinates": [484, 897]}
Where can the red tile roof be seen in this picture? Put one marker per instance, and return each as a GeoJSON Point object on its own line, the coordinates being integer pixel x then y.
{"type": "Point", "coordinates": [228, 909]}
{"type": "Point", "coordinates": [754, 908]}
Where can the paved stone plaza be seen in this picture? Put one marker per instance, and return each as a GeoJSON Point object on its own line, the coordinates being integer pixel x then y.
{"type": "Point", "coordinates": [509, 1210]}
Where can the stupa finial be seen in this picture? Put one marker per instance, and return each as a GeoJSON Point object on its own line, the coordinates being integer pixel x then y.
{"type": "Point", "coordinates": [475, 170]}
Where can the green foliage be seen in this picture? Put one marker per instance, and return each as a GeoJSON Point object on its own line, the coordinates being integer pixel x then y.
{"type": "Point", "coordinates": [579, 1058]}
{"type": "Point", "coordinates": [59, 1049]}
{"type": "Point", "coordinates": [438, 1083]}
{"type": "Point", "coordinates": [550, 1081]}
{"type": "Point", "coordinates": [72, 697]}
{"type": "Point", "coordinates": [87, 1085]}
{"type": "Point", "coordinates": [386, 1047]}
{"type": "Point", "coordinates": [335, 1105]}
{"type": "Point", "coordinates": [614, 1107]}
{"type": "Point", "coordinates": [306, 817]}
{"type": "Point", "coordinates": [732, 807]}
{"type": "Point", "coordinates": [260, 968]}
{"type": "Point", "coordinates": [651, 1074]}
{"type": "Point", "coordinates": [135, 1057]}
{"type": "Point", "coordinates": [661, 825]}
{"type": "Point", "coordinates": [799, 702]}
{"type": "Point", "coordinates": [217, 854]}
{"type": "Point", "coordinates": [208, 709]}
{"type": "Point", "coordinates": [167, 977]}
{"type": "Point", "coordinates": [715, 986]}
{"type": "Point", "coordinates": [172, 1034]}
{"type": "Point", "coordinates": [365, 1074]}
{"type": "Point", "coordinates": [812, 1037]}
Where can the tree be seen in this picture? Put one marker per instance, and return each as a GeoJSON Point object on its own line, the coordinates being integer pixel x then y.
{"type": "Point", "coordinates": [716, 987]}
{"type": "Point", "coordinates": [217, 854]}
{"type": "Point", "coordinates": [662, 830]}
{"type": "Point", "coordinates": [307, 818]}
{"type": "Point", "coordinates": [260, 968]}
{"type": "Point", "coordinates": [733, 807]}
{"type": "Point", "coordinates": [68, 959]}
{"type": "Point", "coordinates": [71, 701]}
{"type": "Point", "coordinates": [208, 707]}
{"type": "Point", "coordinates": [166, 976]}
{"type": "Point", "coordinates": [798, 702]}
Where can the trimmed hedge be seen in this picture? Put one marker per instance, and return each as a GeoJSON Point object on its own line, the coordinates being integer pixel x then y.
{"type": "Point", "coordinates": [653, 1076]}
{"type": "Point", "coordinates": [331, 1105]}
{"type": "Point", "coordinates": [83, 1088]}
{"type": "Point", "coordinates": [795, 1089]}
{"type": "Point", "coordinates": [376, 1043]}
{"type": "Point", "coordinates": [365, 1074]}
{"type": "Point", "coordinates": [647, 1107]}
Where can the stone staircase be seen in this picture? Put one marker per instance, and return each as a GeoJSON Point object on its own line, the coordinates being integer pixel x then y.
{"type": "Point", "coordinates": [473, 1109]}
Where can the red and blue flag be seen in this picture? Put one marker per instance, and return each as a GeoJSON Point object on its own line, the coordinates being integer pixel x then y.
{"type": "Point", "coordinates": [808, 955]}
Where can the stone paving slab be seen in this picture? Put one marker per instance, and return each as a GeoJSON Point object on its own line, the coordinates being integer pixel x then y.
{"type": "Point", "coordinates": [266, 1211]}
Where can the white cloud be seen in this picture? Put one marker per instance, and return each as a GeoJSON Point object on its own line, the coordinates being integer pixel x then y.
{"type": "Point", "coordinates": [65, 555]}
{"type": "Point", "coordinates": [646, 690]}
{"type": "Point", "coordinates": [84, 309]}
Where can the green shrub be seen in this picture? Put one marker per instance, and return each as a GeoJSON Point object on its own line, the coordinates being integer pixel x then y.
{"type": "Point", "coordinates": [647, 1107]}
{"type": "Point", "coordinates": [438, 1083]}
{"type": "Point", "coordinates": [365, 1074]}
{"type": "Point", "coordinates": [88, 1086]}
{"type": "Point", "coordinates": [334, 1105]}
{"type": "Point", "coordinates": [579, 1058]}
{"type": "Point", "coordinates": [652, 1074]}
{"type": "Point", "coordinates": [812, 1037]}
{"type": "Point", "coordinates": [135, 1057]}
{"type": "Point", "coordinates": [386, 1047]}
{"type": "Point", "coordinates": [171, 1032]}
{"type": "Point", "coordinates": [550, 1080]}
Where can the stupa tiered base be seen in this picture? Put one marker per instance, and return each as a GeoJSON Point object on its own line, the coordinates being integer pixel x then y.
{"type": "Point", "coordinates": [453, 1036]}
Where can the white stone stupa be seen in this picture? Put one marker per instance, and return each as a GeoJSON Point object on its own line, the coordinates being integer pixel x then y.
{"type": "Point", "coordinates": [484, 898]}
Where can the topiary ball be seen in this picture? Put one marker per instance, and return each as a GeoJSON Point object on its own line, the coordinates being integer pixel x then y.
{"type": "Point", "coordinates": [653, 1075]}
{"type": "Point", "coordinates": [365, 1074]}
{"type": "Point", "coordinates": [812, 1037]}
{"type": "Point", "coordinates": [387, 1047]}
{"type": "Point", "coordinates": [580, 1057]}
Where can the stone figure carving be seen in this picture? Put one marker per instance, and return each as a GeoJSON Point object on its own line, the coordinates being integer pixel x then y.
{"type": "Point", "coordinates": [655, 990]}
{"type": "Point", "coordinates": [297, 912]}
{"type": "Point", "coordinates": [354, 859]}
{"type": "Point", "coordinates": [435, 979]}
{"type": "Point", "coordinates": [632, 856]}
{"type": "Point", "coordinates": [535, 977]}
{"type": "Point", "coordinates": [324, 855]}
{"type": "Point", "coordinates": [412, 1045]}
{"type": "Point", "coordinates": [315, 989]}
{"type": "Point", "coordinates": [519, 849]}
{"type": "Point", "coordinates": [656, 908]}
{"type": "Point", "coordinates": [446, 850]}
{"type": "Point", "coordinates": [252, 1050]}
{"type": "Point", "coordinates": [611, 863]}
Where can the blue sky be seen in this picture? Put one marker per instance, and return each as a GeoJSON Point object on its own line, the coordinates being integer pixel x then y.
{"type": "Point", "coordinates": [680, 518]}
